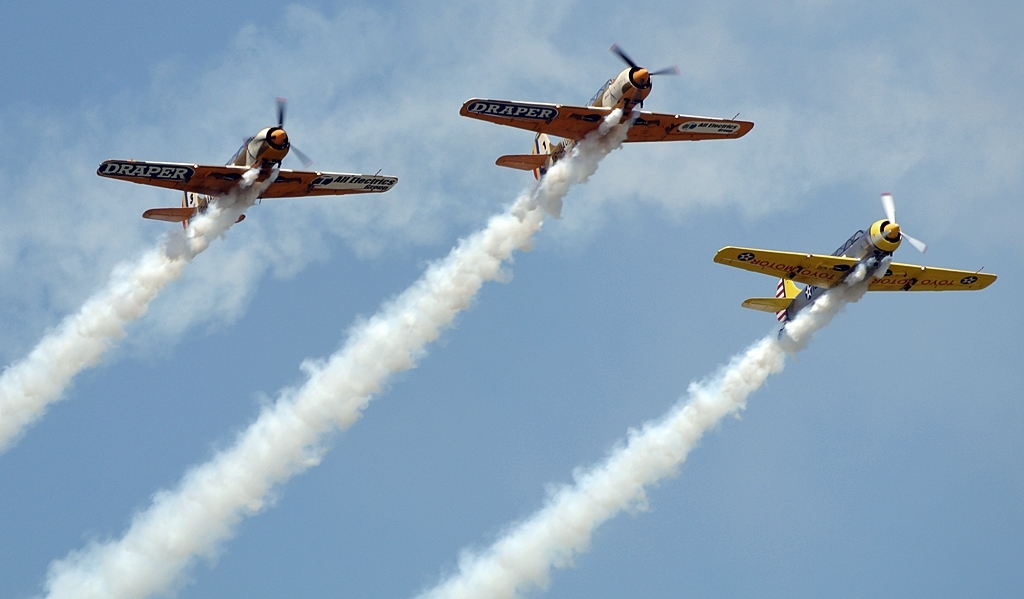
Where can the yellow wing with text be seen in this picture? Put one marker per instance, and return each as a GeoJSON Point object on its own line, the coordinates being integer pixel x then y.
{"type": "Point", "coordinates": [219, 180]}
{"type": "Point", "coordinates": [910, 277]}
{"type": "Point", "coordinates": [826, 271]}
{"type": "Point", "coordinates": [809, 269]}
{"type": "Point", "coordinates": [574, 122]}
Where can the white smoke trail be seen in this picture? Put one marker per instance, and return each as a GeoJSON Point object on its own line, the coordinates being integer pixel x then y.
{"type": "Point", "coordinates": [287, 437]}
{"type": "Point", "coordinates": [523, 557]}
{"type": "Point", "coordinates": [29, 386]}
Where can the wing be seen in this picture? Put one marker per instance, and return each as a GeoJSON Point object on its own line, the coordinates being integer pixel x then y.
{"type": "Point", "coordinates": [910, 277]}
{"type": "Point", "coordinates": [652, 126]}
{"type": "Point", "coordinates": [297, 184]}
{"type": "Point", "coordinates": [809, 269]}
{"type": "Point", "coordinates": [574, 122]}
{"type": "Point", "coordinates": [209, 180]}
{"type": "Point", "coordinates": [219, 180]}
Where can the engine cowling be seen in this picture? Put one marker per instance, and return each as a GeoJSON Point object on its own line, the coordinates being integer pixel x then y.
{"type": "Point", "coordinates": [885, 236]}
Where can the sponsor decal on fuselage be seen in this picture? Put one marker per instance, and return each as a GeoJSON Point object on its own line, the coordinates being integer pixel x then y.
{"type": "Point", "coordinates": [367, 182]}
{"type": "Point", "coordinates": [149, 170]}
{"type": "Point", "coordinates": [708, 127]}
{"type": "Point", "coordinates": [513, 110]}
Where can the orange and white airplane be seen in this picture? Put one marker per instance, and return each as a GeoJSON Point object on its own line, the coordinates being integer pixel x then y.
{"type": "Point", "coordinates": [202, 184]}
{"type": "Point", "coordinates": [868, 253]}
{"type": "Point", "coordinates": [627, 91]}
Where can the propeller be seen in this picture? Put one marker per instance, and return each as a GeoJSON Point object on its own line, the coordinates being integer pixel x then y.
{"type": "Point", "coordinates": [625, 57]}
{"type": "Point", "coordinates": [672, 70]}
{"type": "Point", "coordinates": [889, 205]}
{"type": "Point", "coordinates": [306, 160]}
{"type": "Point", "coordinates": [282, 103]}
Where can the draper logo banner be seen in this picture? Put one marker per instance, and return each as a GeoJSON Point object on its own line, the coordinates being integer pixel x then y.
{"type": "Point", "coordinates": [149, 170]}
{"type": "Point", "coordinates": [514, 110]}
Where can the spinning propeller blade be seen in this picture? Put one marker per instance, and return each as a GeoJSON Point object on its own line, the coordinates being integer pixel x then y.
{"type": "Point", "coordinates": [917, 243]}
{"type": "Point", "coordinates": [672, 70]}
{"type": "Point", "coordinates": [281, 102]}
{"type": "Point", "coordinates": [306, 160]}
{"type": "Point", "coordinates": [625, 57]}
{"type": "Point", "coordinates": [889, 205]}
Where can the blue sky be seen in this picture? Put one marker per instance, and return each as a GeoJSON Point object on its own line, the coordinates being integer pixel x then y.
{"type": "Point", "coordinates": [883, 462]}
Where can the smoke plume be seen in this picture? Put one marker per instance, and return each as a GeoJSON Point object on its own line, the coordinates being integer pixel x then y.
{"type": "Point", "coordinates": [522, 559]}
{"type": "Point", "coordinates": [79, 342]}
{"type": "Point", "coordinates": [287, 437]}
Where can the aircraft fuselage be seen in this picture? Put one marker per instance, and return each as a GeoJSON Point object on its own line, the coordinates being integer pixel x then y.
{"type": "Point", "coordinates": [872, 248]}
{"type": "Point", "coordinates": [263, 150]}
{"type": "Point", "coordinates": [626, 91]}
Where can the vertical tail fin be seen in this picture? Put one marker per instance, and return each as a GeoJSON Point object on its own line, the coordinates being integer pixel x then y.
{"type": "Point", "coordinates": [542, 146]}
{"type": "Point", "coordinates": [786, 289]}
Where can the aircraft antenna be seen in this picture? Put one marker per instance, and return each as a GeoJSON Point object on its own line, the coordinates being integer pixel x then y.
{"type": "Point", "coordinates": [736, 117]}
{"type": "Point", "coordinates": [378, 172]}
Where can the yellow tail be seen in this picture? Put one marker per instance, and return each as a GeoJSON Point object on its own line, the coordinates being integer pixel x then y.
{"type": "Point", "coordinates": [785, 291]}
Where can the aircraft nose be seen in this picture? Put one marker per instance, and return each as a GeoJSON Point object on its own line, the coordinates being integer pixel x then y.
{"type": "Point", "coordinates": [278, 137]}
{"type": "Point", "coordinates": [642, 78]}
{"type": "Point", "coordinates": [891, 231]}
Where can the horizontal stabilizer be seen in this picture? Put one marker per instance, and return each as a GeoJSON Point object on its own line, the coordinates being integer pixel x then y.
{"type": "Point", "coordinates": [523, 162]}
{"type": "Point", "coordinates": [171, 215]}
{"type": "Point", "coordinates": [767, 304]}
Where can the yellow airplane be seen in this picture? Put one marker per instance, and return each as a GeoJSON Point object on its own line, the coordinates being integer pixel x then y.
{"type": "Point", "coordinates": [871, 250]}
{"type": "Point", "coordinates": [201, 184]}
{"type": "Point", "coordinates": [626, 91]}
